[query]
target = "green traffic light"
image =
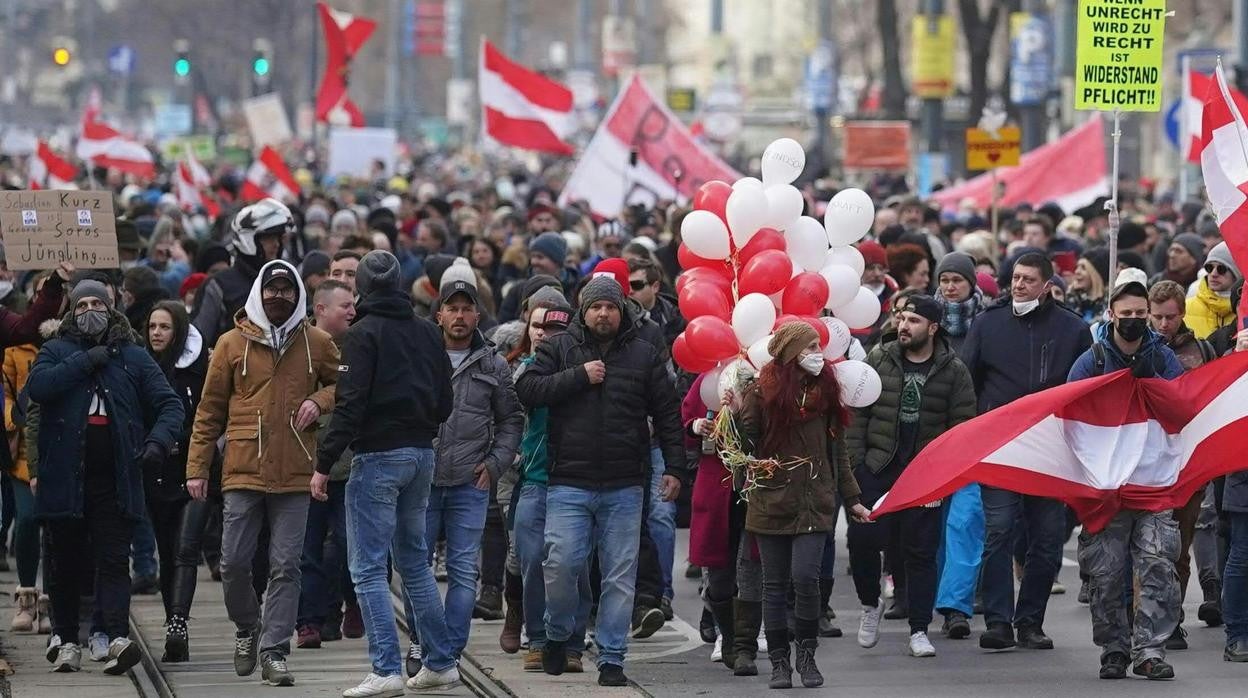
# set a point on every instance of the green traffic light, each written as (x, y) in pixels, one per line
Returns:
(182, 67)
(260, 66)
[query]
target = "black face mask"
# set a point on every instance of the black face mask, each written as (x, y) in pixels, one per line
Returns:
(278, 310)
(1131, 329)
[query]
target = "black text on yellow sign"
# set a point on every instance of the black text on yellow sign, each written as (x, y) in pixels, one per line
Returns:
(1118, 55)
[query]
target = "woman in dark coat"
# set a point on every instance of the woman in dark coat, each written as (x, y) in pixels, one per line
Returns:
(177, 519)
(792, 419)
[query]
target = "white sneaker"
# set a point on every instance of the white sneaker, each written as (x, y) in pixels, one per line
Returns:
(97, 647)
(869, 626)
(430, 680)
(68, 658)
(717, 654)
(122, 655)
(374, 686)
(920, 646)
(762, 643)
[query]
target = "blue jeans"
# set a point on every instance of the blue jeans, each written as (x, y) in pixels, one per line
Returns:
(661, 518)
(386, 500)
(963, 550)
(322, 564)
(460, 511)
(143, 548)
(1045, 522)
(578, 521)
(530, 546)
(1235, 579)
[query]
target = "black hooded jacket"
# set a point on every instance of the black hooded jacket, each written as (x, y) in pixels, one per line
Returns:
(395, 385)
(599, 435)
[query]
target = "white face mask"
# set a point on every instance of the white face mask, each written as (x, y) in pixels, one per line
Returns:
(1024, 307)
(6, 287)
(812, 363)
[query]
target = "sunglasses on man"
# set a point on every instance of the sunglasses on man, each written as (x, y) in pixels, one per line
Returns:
(1214, 267)
(637, 284)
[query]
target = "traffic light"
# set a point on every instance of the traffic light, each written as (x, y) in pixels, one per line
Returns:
(182, 59)
(61, 56)
(261, 65)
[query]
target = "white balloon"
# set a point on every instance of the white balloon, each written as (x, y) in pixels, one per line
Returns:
(862, 311)
(734, 376)
(783, 161)
(843, 284)
(705, 235)
(848, 217)
(709, 390)
(747, 183)
(759, 356)
(747, 211)
(860, 384)
(752, 318)
(806, 243)
(839, 338)
(784, 205)
(856, 352)
(849, 256)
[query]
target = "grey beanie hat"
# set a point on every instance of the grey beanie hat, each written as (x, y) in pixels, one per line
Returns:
(90, 288)
(958, 263)
(1194, 245)
(548, 294)
(602, 288)
(378, 271)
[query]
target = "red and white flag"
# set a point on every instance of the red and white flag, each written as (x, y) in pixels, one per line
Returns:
(522, 108)
(641, 153)
(103, 146)
(188, 187)
(269, 176)
(48, 170)
(1196, 88)
(1071, 171)
(1224, 164)
(1100, 445)
(345, 33)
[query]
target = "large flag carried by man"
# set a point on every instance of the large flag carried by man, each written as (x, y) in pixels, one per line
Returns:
(523, 108)
(1100, 445)
(1224, 164)
(641, 153)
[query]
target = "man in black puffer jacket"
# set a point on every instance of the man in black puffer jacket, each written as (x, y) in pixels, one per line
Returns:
(603, 383)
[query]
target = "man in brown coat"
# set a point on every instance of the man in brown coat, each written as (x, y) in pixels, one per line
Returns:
(269, 380)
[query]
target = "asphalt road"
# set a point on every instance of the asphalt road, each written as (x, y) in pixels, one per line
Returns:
(960, 668)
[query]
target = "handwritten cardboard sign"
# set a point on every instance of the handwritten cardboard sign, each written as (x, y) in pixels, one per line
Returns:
(41, 229)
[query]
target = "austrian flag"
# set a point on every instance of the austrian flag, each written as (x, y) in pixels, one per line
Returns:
(1100, 445)
(269, 176)
(522, 108)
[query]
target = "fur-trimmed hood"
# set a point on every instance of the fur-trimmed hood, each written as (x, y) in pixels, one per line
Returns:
(118, 332)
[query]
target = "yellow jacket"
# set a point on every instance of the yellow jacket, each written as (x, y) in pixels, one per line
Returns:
(17, 361)
(1207, 311)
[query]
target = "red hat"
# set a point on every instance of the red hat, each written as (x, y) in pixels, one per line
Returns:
(192, 283)
(616, 268)
(873, 253)
(987, 284)
(538, 208)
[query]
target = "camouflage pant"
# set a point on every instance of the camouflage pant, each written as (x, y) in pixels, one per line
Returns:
(1150, 542)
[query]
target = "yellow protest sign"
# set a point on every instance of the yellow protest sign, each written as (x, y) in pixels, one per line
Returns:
(983, 152)
(932, 48)
(1118, 55)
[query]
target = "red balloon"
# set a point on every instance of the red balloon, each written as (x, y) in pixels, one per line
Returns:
(689, 260)
(805, 294)
(711, 338)
(713, 196)
(686, 359)
(698, 298)
(704, 275)
(814, 322)
(767, 272)
(764, 239)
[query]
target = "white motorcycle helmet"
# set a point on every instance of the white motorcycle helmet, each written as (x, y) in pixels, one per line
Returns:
(265, 217)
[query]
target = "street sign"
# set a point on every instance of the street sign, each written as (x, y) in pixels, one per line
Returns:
(821, 77)
(173, 120)
(933, 44)
(1031, 58)
(876, 145)
(682, 99)
(986, 151)
(1118, 54)
(121, 60)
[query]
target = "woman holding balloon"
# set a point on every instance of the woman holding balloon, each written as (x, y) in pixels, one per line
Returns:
(793, 422)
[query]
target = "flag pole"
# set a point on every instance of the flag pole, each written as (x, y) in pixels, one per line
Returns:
(1112, 207)
(996, 200)
(1185, 140)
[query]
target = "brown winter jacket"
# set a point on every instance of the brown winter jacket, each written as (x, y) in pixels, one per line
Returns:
(252, 396)
(801, 499)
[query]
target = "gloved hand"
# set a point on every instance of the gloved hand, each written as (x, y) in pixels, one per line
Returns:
(152, 455)
(1143, 368)
(98, 355)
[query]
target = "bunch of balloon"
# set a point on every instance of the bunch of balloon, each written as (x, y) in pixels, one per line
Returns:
(753, 262)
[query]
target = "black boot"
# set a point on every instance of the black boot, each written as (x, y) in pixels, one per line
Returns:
(722, 610)
(807, 643)
(1210, 612)
(177, 643)
(747, 621)
(778, 652)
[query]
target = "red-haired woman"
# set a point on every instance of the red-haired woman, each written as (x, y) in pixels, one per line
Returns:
(793, 415)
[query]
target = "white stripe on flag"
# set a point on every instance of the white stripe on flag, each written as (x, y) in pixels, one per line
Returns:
(1224, 166)
(500, 95)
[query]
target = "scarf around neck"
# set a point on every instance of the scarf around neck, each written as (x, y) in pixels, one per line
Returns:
(958, 314)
